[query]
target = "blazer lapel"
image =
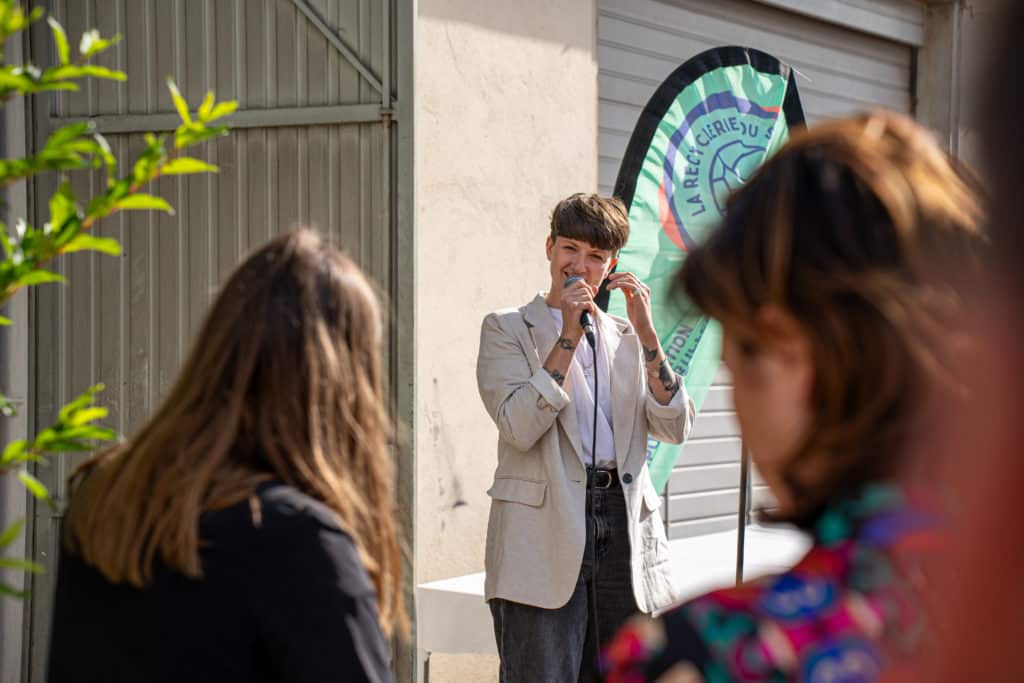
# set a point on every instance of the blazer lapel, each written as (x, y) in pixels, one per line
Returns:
(545, 333)
(623, 352)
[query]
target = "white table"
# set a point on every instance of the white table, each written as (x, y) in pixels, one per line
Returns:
(451, 615)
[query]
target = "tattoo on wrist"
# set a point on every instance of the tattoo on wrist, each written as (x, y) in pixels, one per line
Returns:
(650, 354)
(565, 344)
(557, 376)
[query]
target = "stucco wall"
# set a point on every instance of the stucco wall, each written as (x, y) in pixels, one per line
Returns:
(953, 66)
(506, 124)
(981, 24)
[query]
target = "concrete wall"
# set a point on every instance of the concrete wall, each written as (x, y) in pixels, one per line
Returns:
(506, 124)
(981, 27)
(959, 39)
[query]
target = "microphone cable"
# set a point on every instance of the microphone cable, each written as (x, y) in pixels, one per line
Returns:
(590, 504)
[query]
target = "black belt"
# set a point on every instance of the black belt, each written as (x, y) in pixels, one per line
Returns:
(598, 478)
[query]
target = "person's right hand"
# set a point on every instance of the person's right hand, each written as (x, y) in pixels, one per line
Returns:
(576, 298)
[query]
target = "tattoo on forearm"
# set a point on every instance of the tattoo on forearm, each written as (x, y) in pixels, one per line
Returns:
(650, 354)
(557, 376)
(565, 344)
(669, 380)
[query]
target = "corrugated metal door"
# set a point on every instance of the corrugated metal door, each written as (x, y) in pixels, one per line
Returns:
(841, 70)
(313, 143)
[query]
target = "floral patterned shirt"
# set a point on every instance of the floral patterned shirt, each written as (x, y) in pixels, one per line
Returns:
(849, 612)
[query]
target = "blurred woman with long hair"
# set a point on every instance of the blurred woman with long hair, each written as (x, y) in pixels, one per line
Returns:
(247, 532)
(836, 276)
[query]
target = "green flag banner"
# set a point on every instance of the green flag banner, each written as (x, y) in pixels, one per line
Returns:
(706, 129)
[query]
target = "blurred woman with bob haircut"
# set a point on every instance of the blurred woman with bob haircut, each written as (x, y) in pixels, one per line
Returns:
(838, 277)
(247, 531)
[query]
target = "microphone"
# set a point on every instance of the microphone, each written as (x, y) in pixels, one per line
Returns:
(588, 325)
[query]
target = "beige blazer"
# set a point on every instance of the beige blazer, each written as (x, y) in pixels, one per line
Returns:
(537, 527)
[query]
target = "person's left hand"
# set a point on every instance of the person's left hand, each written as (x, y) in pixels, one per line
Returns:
(638, 302)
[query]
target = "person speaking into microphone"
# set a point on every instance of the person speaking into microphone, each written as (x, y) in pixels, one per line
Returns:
(575, 542)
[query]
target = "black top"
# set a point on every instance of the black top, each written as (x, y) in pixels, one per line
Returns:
(288, 600)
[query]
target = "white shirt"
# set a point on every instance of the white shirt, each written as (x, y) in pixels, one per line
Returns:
(581, 388)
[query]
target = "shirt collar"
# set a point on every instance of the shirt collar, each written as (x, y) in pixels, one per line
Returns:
(880, 514)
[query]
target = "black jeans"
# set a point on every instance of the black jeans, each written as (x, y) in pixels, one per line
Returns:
(539, 645)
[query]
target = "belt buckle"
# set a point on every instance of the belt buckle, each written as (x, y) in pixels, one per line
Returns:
(602, 479)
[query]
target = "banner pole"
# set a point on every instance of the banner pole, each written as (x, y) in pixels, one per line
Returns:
(741, 530)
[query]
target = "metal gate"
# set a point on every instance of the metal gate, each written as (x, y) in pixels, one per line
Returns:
(322, 137)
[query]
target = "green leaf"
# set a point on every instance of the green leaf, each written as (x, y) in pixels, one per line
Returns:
(108, 157)
(183, 165)
(95, 71)
(61, 39)
(87, 242)
(99, 206)
(13, 18)
(77, 434)
(148, 163)
(89, 41)
(68, 133)
(120, 189)
(11, 532)
(87, 415)
(7, 408)
(70, 445)
(206, 107)
(48, 435)
(34, 486)
(50, 86)
(59, 73)
(24, 565)
(11, 592)
(189, 136)
(179, 101)
(141, 200)
(83, 400)
(38, 277)
(92, 43)
(82, 71)
(13, 452)
(223, 109)
(12, 78)
(4, 320)
(63, 206)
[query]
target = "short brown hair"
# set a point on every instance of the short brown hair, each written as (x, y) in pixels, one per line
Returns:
(859, 229)
(599, 221)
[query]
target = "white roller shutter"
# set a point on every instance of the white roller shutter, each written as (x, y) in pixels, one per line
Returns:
(850, 55)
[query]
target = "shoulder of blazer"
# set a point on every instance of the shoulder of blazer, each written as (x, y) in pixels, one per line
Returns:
(509, 319)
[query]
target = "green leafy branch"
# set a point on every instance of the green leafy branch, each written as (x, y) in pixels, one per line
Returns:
(75, 430)
(7, 537)
(70, 148)
(30, 248)
(14, 19)
(27, 79)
